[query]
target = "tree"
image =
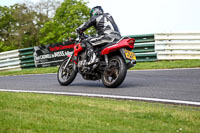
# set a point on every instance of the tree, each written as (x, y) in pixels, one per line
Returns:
(47, 7)
(20, 23)
(6, 24)
(70, 15)
(29, 24)
(24, 33)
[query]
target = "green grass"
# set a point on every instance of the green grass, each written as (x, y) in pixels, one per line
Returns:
(24, 112)
(139, 66)
(31, 71)
(167, 64)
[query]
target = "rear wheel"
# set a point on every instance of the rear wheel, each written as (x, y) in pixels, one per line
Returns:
(66, 75)
(115, 74)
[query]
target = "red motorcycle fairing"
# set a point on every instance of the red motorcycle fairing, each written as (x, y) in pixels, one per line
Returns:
(122, 44)
(77, 49)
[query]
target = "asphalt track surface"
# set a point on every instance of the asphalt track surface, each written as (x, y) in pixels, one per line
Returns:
(176, 84)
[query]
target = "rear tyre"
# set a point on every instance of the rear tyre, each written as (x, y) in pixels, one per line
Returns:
(66, 75)
(115, 74)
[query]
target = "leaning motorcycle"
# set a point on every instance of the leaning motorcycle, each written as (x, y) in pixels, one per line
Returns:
(114, 59)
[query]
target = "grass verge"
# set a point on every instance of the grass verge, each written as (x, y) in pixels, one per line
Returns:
(30, 71)
(167, 64)
(139, 66)
(24, 112)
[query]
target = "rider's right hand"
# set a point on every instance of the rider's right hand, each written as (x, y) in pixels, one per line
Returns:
(78, 30)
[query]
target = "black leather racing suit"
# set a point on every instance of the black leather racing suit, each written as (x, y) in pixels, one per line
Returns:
(106, 28)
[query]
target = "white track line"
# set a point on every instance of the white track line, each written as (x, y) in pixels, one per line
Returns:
(108, 96)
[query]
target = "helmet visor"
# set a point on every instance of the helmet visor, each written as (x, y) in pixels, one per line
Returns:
(91, 12)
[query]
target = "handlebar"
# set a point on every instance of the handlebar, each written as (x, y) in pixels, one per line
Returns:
(82, 36)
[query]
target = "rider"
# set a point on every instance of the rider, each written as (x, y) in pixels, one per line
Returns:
(106, 28)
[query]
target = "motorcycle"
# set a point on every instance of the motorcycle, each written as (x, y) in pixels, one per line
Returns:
(114, 59)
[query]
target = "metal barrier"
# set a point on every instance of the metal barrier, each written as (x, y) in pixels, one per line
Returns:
(173, 46)
(26, 58)
(17, 59)
(144, 47)
(148, 47)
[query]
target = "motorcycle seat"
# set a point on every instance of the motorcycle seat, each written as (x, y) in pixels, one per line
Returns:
(101, 47)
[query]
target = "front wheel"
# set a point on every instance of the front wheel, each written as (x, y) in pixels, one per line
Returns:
(115, 74)
(66, 73)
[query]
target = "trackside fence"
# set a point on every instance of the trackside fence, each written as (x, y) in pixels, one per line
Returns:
(174, 46)
(144, 47)
(148, 47)
(17, 59)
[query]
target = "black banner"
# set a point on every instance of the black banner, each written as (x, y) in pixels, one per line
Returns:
(52, 54)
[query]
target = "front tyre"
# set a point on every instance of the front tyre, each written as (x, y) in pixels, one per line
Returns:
(66, 75)
(115, 74)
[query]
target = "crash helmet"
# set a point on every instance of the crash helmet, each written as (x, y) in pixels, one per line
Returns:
(97, 10)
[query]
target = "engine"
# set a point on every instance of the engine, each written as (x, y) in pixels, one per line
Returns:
(86, 71)
(82, 61)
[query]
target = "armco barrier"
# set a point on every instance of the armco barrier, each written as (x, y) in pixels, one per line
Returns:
(144, 57)
(148, 47)
(26, 58)
(10, 60)
(173, 46)
(144, 47)
(17, 59)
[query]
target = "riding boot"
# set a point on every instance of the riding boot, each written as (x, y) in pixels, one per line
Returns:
(93, 59)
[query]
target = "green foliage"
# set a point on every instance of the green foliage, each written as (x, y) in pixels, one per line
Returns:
(69, 16)
(6, 22)
(29, 24)
(20, 23)
(19, 27)
(1, 46)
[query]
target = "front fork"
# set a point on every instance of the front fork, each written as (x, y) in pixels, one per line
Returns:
(71, 59)
(67, 63)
